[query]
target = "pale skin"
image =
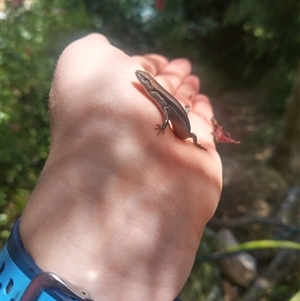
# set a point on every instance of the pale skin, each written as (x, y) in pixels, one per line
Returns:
(119, 210)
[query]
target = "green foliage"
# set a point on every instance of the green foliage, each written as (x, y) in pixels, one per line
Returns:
(274, 33)
(272, 40)
(138, 27)
(251, 42)
(248, 35)
(27, 62)
(204, 282)
(295, 297)
(258, 244)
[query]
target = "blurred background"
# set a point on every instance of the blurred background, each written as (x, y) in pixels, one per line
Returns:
(247, 54)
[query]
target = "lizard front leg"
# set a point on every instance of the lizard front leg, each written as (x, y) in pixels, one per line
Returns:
(161, 127)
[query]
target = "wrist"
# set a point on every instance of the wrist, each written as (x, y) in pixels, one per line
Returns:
(111, 255)
(22, 278)
(129, 281)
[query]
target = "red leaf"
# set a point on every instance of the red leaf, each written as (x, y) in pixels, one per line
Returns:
(220, 135)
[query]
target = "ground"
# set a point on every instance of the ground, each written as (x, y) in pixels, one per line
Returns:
(251, 187)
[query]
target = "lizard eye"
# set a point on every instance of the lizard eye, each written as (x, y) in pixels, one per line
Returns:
(146, 80)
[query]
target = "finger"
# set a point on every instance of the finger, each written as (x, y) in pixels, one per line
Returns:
(169, 74)
(179, 66)
(201, 106)
(173, 75)
(188, 90)
(203, 129)
(152, 62)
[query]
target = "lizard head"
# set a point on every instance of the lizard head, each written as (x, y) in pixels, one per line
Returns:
(145, 79)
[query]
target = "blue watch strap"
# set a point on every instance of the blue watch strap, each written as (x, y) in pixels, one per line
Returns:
(17, 269)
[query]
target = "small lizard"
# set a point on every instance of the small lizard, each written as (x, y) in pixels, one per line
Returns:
(172, 110)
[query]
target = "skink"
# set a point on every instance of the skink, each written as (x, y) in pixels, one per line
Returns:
(172, 110)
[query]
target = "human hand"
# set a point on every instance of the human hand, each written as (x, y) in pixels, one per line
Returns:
(119, 210)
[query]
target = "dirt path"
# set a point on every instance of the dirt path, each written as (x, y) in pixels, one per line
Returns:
(250, 186)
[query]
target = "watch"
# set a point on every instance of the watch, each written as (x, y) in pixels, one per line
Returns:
(22, 280)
